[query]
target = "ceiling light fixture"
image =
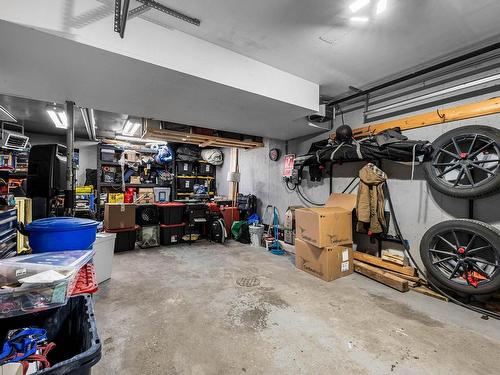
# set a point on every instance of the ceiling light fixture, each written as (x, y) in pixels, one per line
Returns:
(358, 4)
(139, 140)
(58, 116)
(381, 6)
(360, 19)
(130, 127)
(8, 114)
(89, 120)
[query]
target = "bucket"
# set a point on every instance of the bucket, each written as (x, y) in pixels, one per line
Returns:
(256, 232)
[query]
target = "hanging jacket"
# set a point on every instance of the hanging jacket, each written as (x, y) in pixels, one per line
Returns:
(371, 201)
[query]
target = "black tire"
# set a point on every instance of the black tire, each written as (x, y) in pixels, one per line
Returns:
(463, 162)
(453, 249)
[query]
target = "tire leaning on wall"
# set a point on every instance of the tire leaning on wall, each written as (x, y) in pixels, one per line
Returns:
(465, 162)
(453, 249)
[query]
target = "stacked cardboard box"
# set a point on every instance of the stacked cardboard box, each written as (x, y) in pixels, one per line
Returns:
(323, 245)
(289, 225)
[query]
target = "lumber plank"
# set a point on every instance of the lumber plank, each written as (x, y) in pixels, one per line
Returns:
(192, 138)
(414, 279)
(441, 116)
(429, 292)
(381, 276)
(393, 259)
(376, 261)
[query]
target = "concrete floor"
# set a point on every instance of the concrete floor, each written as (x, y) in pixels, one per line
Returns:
(180, 310)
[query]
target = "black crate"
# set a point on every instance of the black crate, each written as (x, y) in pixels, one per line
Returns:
(185, 184)
(171, 213)
(146, 214)
(171, 234)
(125, 241)
(72, 328)
(184, 168)
(205, 169)
(197, 212)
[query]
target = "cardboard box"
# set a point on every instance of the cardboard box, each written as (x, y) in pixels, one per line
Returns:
(119, 216)
(135, 179)
(329, 225)
(146, 195)
(130, 156)
(327, 263)
(290, 217)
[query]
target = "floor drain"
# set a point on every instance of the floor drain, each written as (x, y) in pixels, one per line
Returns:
(248, 281)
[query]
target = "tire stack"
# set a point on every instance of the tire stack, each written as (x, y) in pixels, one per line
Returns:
(172, 225)
(463, 255)
(149, 230)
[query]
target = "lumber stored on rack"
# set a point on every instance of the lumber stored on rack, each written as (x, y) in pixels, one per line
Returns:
(381, 276)
(376, 261)
(441, 116)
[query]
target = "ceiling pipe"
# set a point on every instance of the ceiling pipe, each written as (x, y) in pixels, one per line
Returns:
(70, 147)
(418, 73)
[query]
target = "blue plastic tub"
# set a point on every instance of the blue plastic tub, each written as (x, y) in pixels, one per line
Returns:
(60, 234)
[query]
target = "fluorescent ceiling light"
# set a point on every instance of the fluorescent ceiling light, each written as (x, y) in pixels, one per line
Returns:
(139, 140)
(92, 117)
(131, 127)
(381, 6)
(8, 114)
(360, 19)
(358, 4)
(58, 117)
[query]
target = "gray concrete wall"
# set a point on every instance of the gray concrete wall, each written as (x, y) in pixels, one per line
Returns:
(417, 206)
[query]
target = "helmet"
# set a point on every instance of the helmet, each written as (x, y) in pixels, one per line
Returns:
(343, 134)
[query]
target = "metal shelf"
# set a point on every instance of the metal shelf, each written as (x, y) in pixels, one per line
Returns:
(111, 163)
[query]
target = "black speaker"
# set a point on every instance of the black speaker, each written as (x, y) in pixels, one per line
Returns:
(146, 214)
(46, 170)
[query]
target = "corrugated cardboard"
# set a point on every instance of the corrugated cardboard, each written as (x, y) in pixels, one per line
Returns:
(329, 225)
(327, 263)
(290, 217)
(119, 216)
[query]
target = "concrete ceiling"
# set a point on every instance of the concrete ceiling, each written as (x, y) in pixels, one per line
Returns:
(317, 41)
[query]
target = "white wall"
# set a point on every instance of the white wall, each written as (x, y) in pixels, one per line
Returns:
(88, 159)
